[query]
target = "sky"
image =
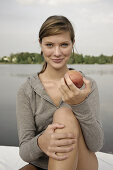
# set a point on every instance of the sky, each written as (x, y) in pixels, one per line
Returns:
(20, 22)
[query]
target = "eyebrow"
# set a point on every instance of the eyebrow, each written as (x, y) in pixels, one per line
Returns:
(61, 42)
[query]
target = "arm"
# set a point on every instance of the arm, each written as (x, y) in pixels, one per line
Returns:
(31, 147)
(88, 114)
(85, 104)
(28, 146)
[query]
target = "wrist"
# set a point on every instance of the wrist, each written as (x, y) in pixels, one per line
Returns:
(39, 141)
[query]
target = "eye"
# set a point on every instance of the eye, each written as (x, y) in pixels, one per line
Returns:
(64, 45)
(49, 45)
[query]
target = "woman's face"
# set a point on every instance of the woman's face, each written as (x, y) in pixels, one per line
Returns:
(57, 49)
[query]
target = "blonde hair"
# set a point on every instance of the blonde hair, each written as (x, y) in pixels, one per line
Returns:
(55, 25)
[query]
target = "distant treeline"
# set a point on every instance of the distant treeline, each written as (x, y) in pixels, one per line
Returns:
(35, 58)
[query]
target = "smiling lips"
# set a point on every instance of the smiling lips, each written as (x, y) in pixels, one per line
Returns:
(57, 60)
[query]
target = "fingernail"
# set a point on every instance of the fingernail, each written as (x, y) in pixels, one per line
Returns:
(62, 125)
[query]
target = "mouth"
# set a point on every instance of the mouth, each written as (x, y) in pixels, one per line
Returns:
(59, 60)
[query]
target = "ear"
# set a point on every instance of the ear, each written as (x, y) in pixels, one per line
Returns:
(73, 41)
(39, 41)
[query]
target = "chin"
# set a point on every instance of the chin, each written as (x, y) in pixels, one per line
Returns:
(59, 65)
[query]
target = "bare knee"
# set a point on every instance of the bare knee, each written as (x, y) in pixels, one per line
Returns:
(65, 116)
(63, 112)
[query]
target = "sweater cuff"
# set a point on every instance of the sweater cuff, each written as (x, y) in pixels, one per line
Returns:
(36, 151)
(82, 110)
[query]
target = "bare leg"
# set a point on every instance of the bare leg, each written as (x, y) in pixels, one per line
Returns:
(66, 117)
(87, 160)
(80, 158)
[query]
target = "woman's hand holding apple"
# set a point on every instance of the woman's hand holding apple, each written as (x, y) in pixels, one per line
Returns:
(70, 93)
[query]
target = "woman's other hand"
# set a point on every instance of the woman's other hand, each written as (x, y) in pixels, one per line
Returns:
(52, 143)
(70, 93)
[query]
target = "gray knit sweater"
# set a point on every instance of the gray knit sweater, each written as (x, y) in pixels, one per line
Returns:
(35, 112)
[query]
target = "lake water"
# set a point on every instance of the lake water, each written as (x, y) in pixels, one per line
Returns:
(12, 76)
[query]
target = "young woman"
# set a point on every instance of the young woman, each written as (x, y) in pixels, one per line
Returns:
(58, 124)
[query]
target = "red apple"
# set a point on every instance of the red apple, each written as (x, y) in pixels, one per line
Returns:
(76, 77)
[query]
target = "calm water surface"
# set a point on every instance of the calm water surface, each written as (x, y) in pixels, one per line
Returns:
(12, 76)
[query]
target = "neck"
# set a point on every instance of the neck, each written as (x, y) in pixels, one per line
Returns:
(54, 74)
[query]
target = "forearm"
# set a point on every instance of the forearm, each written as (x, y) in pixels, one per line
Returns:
(88, 114)
(28, 147)
(93, 135)
(30, 151)
(92, 131)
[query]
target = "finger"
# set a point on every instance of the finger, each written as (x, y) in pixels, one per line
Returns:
(65, 142)
(59, 157)
(63, 93)
(64, 136)
(64, 84)
(87, 82)
(87, 85)
(63, 149)
(64, 88)
(54, 126)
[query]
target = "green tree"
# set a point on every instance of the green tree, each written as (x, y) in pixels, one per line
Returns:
(78, 58)
(102, 59)
(32, 58)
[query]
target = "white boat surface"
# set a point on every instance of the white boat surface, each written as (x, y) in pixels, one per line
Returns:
(10, 159)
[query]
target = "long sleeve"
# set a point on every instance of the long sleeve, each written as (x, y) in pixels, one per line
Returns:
(88, 114)
(28, 148)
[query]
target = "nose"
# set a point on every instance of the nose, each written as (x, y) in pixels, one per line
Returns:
(57, 51)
